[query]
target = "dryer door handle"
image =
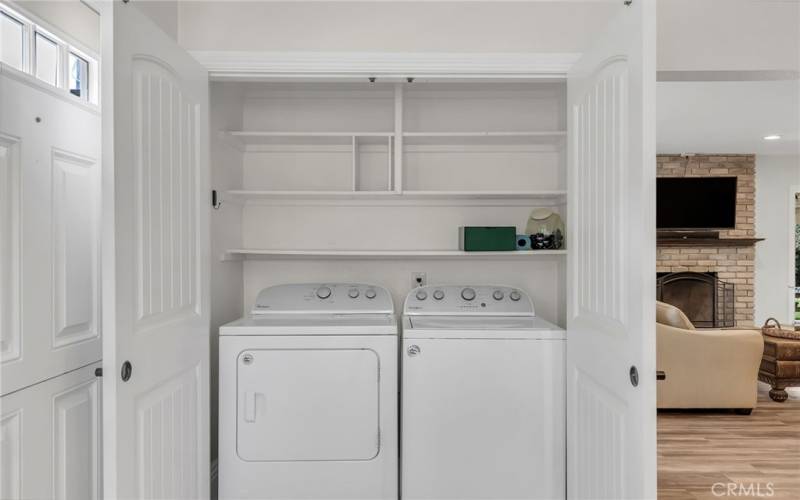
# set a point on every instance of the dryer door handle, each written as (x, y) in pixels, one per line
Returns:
(250, 403)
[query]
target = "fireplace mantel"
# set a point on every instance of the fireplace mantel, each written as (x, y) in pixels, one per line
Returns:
(707, 242)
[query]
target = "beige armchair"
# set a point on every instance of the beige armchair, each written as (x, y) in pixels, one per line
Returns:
(705, 368)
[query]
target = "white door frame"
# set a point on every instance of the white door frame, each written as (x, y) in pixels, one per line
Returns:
(793, 220)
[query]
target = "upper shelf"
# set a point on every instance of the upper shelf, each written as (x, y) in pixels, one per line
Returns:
(485, 138)
(300, 138)
(248, 137)
(253, 253)
(553, 196)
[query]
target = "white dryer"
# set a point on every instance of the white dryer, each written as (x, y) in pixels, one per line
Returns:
(308, 395)
(483, 396)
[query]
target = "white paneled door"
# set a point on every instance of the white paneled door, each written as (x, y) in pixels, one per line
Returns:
(611, 407)
(155, 262)
(49, 213)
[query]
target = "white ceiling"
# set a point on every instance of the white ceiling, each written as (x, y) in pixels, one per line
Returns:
(728, 117)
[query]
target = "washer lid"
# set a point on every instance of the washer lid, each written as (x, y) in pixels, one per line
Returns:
(312, 324)
(324, 298)
(476, 322)
(480, 327)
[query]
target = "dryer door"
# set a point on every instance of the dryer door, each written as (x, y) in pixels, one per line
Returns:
(308, 405)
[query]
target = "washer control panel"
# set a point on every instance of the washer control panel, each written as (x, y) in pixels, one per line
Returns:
(321, 298)
(468, 299)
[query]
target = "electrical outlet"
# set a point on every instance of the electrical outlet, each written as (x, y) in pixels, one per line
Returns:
(418, 279)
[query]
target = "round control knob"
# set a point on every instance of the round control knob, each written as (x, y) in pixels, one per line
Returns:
(438, 294)
(353, 293)
(370, 293)
(498, 295)
(515, 296)
(468, 294)
(323, 292)
(421, 295)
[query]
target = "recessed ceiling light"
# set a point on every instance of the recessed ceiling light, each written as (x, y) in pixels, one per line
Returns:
(773, 137)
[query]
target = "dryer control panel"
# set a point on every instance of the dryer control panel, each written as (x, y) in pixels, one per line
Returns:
(324, 298)
(461, 300)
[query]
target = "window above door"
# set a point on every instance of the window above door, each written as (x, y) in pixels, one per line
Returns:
(33, 49)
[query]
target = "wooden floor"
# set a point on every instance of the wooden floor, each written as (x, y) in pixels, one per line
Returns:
(698, 449)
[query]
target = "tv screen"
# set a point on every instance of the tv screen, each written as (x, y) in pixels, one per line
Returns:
(696, 203)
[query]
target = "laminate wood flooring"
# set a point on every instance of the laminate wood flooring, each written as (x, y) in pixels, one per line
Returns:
(698, 449)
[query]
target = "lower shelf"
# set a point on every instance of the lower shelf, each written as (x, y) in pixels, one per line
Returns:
(253, 253)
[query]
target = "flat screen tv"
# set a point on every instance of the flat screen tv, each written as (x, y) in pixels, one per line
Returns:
(696, 203)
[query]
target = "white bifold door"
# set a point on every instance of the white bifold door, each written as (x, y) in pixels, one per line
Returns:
(611, 377)
(155, 262)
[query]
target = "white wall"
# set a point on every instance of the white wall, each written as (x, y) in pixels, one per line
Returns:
(71, 17)
(163, 13)
(391, 26)
(774, 262)
(715, 35)
(693, 35)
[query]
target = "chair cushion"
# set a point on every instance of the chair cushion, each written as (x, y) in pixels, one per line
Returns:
(667, 314)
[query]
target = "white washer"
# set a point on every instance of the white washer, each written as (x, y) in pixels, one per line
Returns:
(308, 395)
(483, 396)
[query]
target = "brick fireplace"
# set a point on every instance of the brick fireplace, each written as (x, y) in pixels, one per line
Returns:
(730, 263)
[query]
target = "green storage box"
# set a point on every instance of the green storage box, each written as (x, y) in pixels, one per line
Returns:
(487, 239)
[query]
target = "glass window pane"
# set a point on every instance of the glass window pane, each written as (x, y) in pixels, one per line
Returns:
(11, 36)
(46, 59)
(78, 76)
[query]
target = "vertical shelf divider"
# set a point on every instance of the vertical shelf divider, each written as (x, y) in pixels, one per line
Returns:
(355, 163)
(389, 163)
(398, 138)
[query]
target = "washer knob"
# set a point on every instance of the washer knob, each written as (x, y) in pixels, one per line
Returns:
(498, 295)
(370, 293)
(323, 292)
(514, 295)
(468, 294)
(353, 293)
(438, 294)
(421, 295)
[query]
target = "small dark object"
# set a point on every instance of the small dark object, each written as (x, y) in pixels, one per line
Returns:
(98, 372)
(660, 375)
(215, 203)
(634, 374)
(372, 79)
(126, 371)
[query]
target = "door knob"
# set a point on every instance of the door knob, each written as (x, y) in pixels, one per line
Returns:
(634, 375)
(126, 371)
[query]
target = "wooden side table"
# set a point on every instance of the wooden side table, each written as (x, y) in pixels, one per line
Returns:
(780, 366)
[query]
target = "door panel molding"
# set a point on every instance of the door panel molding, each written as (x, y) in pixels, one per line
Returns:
(166, 166)
(75, 248)
(76, 420)
(167, 433)
(10, 226)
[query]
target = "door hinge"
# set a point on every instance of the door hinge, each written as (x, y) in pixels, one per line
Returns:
(661, 375)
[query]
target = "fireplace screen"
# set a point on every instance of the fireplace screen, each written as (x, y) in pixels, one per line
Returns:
(707, 301)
